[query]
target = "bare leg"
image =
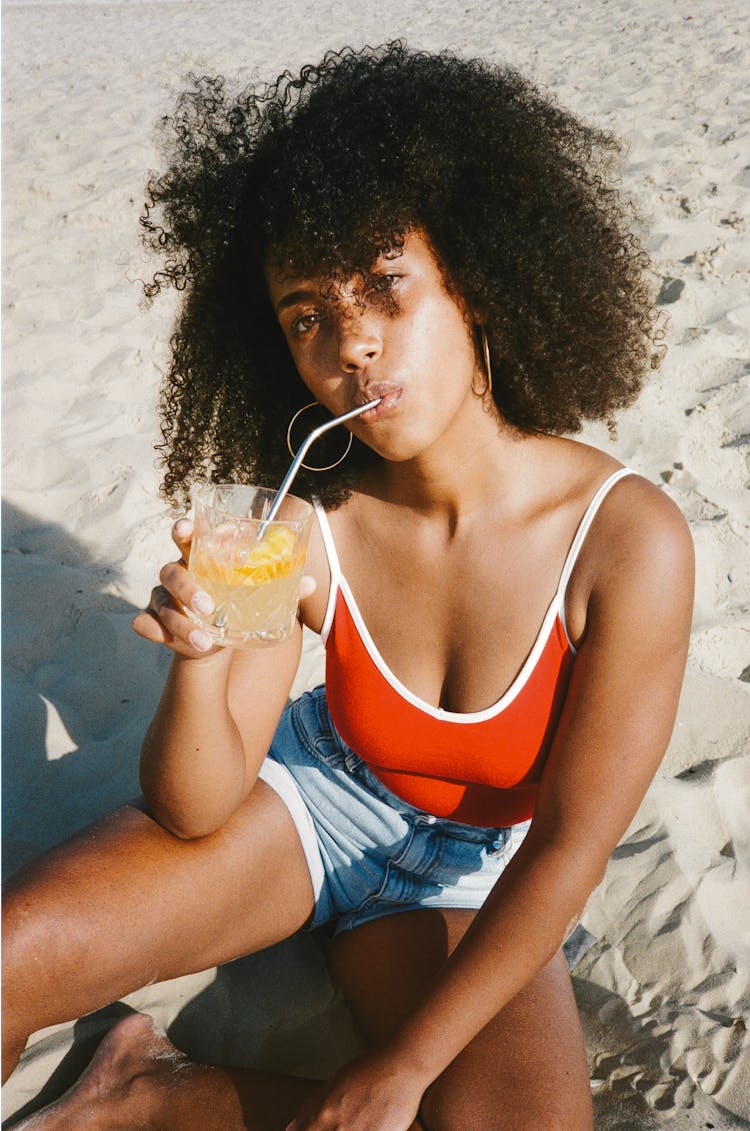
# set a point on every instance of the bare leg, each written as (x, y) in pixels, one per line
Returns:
(139, 1079)
(125, 903)
(526, 1070)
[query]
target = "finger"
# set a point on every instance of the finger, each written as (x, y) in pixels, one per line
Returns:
(182, 535)
(148, 622)
(183, 631)
(164, 622)
(195, 642)
(148, 626)
(177, 581)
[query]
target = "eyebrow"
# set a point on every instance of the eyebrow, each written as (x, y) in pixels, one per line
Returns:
(293, 297)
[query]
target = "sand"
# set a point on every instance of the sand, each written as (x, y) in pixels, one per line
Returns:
(665, 991)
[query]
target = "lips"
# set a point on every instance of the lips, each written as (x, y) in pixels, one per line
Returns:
(389, 396)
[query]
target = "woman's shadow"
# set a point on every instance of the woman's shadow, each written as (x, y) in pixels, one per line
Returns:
(79, 689)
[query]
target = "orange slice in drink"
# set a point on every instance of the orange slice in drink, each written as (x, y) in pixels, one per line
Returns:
(270, 559)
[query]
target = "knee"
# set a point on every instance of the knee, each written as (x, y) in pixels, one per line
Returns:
(16, 1027)
(16, 1030)
(25, 930)
(38, 944)
(21, 941)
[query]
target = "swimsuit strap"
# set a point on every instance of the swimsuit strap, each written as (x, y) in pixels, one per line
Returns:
(570, 561)
(580, 537)
(333, 565)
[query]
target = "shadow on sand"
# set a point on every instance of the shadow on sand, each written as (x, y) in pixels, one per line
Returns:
(79, 689)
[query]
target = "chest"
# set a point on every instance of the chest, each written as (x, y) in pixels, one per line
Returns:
(454, 620)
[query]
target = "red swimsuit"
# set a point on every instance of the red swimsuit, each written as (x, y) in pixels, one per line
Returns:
(481, 768)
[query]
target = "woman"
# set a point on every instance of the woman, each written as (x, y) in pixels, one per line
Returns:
(506, 611)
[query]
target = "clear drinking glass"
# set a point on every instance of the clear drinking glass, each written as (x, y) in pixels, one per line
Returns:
(251, 568)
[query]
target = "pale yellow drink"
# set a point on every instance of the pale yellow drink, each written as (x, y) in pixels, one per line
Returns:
(251, 570)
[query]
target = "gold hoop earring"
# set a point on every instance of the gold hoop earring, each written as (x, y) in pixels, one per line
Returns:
(307, 466)
(487, 362)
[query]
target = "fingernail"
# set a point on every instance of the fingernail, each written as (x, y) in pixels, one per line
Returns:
(182, 527)
(202, 603)
(201, 641)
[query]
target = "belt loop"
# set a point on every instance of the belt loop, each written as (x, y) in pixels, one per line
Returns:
(321, 707)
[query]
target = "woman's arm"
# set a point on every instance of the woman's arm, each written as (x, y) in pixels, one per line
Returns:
(217, 714)
(615, 727)
(614, 730)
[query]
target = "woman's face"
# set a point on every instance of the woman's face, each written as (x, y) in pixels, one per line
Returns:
(414, 350)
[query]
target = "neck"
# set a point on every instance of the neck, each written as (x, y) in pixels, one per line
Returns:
(459, 473)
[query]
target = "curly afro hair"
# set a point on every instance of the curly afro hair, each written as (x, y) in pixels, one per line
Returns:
(327, 171)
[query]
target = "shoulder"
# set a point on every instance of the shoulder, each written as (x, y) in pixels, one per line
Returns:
(637, 550)
(640, 527)
(639, 558)
(637, 528)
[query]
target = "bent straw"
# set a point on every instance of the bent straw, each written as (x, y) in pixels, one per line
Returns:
(304, 448)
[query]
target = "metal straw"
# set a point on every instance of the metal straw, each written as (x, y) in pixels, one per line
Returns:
(294, 467)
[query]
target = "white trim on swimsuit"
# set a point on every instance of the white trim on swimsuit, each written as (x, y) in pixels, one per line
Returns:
(280, 779)
(556, 608)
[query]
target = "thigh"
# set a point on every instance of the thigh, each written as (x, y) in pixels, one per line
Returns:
(124, 903)
(526, 1069)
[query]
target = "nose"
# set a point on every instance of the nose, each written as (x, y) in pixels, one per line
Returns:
(359, 342)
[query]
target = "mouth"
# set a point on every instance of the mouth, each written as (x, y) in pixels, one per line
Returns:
(387, 397)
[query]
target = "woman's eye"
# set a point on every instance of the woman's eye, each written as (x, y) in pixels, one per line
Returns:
(303, 324)
(384, 284)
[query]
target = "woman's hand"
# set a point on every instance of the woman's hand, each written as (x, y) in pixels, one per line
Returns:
(164, 620)
(371, 1094)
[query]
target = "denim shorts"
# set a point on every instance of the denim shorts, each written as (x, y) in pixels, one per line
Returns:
(370, 853)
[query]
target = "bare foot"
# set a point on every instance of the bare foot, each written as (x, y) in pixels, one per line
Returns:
(133, 1066)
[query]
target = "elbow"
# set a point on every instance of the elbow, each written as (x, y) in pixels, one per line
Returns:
(591, 871)
(188, 834)
(181, 827)
(589, 879)
(182, 821)
(572, 875)
(585, 881)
